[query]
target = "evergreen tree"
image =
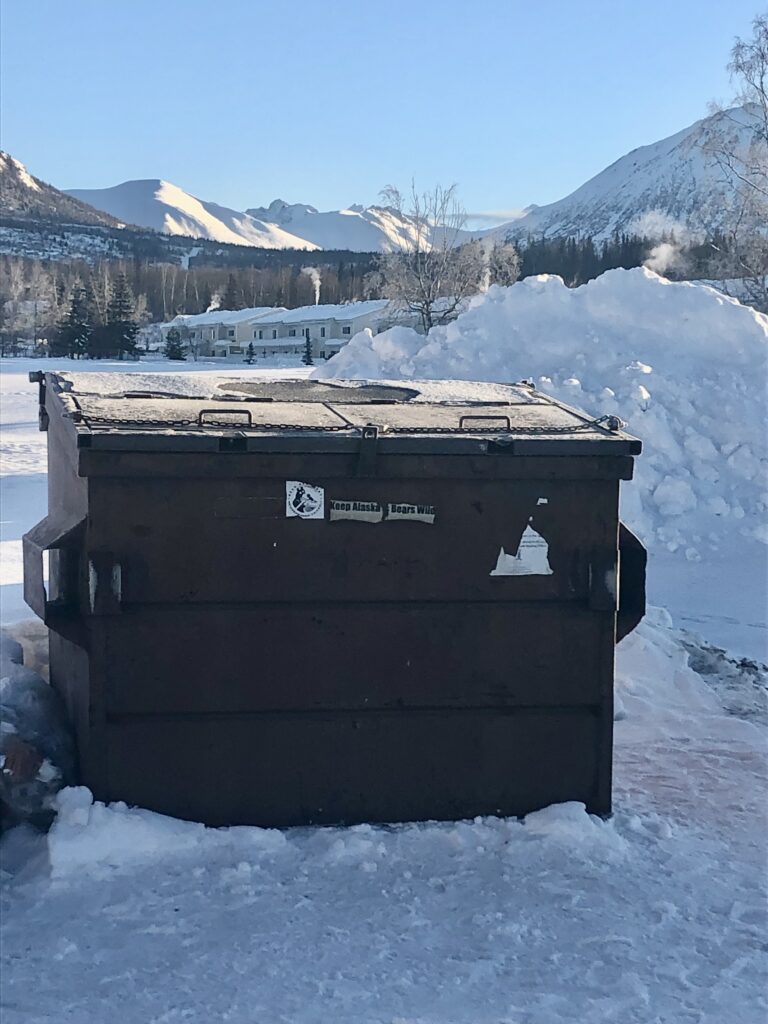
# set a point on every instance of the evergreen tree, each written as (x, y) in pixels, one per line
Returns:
(250, 354)
(174, 346)
(73, 333)
(307, 357)
(121, 328)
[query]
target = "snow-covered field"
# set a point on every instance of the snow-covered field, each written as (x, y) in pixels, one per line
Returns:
(657, 916)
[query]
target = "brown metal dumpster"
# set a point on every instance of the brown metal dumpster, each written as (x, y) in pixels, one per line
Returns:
(291, 602)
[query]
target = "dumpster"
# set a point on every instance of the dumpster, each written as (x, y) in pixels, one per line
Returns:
(294, 602)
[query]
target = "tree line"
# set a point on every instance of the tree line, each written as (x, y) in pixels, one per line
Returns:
(56, 299)
(81, 331)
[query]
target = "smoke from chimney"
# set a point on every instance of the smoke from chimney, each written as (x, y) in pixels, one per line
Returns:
(314, 275)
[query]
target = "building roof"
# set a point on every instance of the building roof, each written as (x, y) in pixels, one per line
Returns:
(326, 311)
(224, 316)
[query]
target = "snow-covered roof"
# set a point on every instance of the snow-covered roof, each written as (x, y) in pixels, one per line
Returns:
(327, 311)
(224, 316)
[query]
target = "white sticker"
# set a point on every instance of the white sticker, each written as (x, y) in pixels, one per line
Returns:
(361, 511)
(531, 558)
(304, 500)
(543, 501)
(413, 513)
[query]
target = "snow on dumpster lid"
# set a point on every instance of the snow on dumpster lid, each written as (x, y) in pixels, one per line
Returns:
(106, 405)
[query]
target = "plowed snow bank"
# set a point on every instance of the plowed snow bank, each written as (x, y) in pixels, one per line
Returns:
(684, 364)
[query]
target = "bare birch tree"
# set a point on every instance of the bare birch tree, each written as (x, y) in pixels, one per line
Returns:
(742, 157)
(434, 269)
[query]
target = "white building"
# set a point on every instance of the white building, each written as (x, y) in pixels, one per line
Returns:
(276, 331)
(219, 332)
(327, 326)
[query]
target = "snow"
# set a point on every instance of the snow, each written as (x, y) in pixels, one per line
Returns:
(684, 364)
(327, 311)
(225, 316)
(657, 915)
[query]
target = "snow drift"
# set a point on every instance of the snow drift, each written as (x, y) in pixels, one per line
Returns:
(682, 363)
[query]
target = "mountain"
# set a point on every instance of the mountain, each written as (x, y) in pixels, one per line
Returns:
(359, 228)
(668, 183)
(162, 206)
(26, 198)
(165, 207)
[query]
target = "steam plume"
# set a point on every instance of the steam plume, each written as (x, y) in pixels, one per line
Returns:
(314, 275)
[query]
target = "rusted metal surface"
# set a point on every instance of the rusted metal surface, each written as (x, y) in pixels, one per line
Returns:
(436, 642)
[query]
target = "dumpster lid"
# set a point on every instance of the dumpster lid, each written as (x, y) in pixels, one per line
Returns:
(138, 411)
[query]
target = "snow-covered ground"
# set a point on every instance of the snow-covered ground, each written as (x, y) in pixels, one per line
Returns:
(655, 917)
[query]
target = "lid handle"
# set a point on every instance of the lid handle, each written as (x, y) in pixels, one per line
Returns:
(223, 412)
(477, 416)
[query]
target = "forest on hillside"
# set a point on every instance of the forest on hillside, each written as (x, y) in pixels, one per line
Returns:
(36, 295)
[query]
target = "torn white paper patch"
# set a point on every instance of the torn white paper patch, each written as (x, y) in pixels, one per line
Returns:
(304, 500)
(532, 558)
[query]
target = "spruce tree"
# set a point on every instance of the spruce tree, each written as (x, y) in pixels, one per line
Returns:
(174, 346)
(121, 327)
(307, 357)
(250, 353)
(74, 331)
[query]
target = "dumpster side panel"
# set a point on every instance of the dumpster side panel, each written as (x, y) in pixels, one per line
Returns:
(263, 669)
(281, 770)
(227, 541)
(353, 655)
(70, 677)
(68, 496)
(67, 491)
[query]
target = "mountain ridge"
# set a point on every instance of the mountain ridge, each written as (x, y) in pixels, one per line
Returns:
(668, 185)
(26, 197)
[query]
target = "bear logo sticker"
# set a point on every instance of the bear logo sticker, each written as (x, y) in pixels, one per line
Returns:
(304, 501)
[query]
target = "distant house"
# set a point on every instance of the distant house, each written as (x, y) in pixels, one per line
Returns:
(276, 331)
(219, 332)
(328, 327)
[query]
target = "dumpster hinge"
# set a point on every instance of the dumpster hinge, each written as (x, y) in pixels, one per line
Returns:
(366, 459)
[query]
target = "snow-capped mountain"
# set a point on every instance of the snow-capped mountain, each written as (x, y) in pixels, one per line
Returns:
(358, 228)
(165, 207)
(162, 206)
(24, 197)
(671, 181)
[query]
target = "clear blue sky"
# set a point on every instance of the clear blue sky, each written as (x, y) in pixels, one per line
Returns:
(241, 101)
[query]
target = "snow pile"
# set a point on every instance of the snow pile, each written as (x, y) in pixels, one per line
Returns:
(684, 364)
